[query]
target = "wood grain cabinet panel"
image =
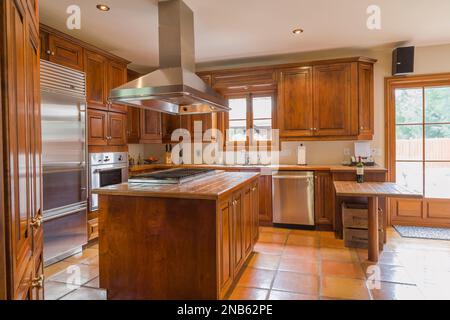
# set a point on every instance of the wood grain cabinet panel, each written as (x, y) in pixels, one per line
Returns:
(150, 126)
(133, 125)
(21, 134)
(247, 216)
(95, 68)
(366, 101)
(97, 122)
(225, 238)
(117, 76)
(335, 108)
(324, 210)
(238, 232)
(65, 53)
(117, 124)
(295, 94)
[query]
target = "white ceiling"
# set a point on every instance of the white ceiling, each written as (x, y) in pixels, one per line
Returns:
(234, 29)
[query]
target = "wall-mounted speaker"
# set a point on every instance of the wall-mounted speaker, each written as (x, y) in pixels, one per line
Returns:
(403, 61)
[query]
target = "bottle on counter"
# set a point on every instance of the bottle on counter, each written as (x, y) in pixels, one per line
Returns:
(168, 154)
(360, 171)
(139, 161)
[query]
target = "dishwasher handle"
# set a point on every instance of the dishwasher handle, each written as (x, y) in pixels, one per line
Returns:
(293, 177)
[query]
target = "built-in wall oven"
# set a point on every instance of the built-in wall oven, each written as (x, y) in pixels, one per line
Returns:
(106, 169)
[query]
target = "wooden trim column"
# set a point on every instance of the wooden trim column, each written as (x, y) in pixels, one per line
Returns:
(3, 293)
(374, 241)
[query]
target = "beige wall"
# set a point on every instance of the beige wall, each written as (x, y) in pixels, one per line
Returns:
(431, 59)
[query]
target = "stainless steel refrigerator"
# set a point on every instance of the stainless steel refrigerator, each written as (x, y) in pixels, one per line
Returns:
(64, 154)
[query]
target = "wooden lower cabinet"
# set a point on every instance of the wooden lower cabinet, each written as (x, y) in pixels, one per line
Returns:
(202, 244)
(324, 213)
(238, 233)
(225, 245)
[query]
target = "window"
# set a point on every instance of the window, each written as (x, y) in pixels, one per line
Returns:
(251, 111)
(422, 139)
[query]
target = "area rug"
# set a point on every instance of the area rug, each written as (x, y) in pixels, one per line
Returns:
(423, 232)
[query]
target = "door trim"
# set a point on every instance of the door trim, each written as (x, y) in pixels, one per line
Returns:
(391, 83)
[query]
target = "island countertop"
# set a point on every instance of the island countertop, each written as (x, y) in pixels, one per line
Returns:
(211, 187)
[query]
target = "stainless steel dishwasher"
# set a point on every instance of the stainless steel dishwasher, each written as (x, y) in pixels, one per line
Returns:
(293, 198)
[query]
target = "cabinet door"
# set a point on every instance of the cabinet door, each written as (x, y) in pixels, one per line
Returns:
(255, 212)
(238, 241)
(295, 102)
(247, 221)
(95, 68)
(117, 124)
(45, 50)
(97, 127)
(65, 53)
(335, 100)
(133, 125)
(366, 101)
(324, 212)
(117, 76)
(150, 126)
(206, 122)
(22, 163)
(225, 246)
(265, 201)
(170, 123)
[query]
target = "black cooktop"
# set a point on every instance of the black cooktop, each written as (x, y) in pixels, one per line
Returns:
(173, 176)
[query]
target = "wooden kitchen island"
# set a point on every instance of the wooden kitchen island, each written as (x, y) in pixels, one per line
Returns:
(187, 241)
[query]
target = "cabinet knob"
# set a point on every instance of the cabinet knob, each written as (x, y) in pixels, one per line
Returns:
(362, 128)
(49, 52)
(38, 282)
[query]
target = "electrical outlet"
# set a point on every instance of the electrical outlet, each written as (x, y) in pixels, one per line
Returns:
(346, 152)
(376, 152)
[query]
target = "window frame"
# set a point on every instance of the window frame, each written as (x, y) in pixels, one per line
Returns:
(249, 95)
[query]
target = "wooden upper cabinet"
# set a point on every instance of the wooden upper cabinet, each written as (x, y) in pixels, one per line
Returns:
(97, 122)
(95, 68)
(133, 125)
(366, 101)
(150, 126)
(170, 123)
(295, 101)
(65, 53)
(117, 124)
(117, 76)
(335, 108)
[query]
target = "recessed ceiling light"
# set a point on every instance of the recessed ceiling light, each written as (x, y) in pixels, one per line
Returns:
(297, 31)
(103, 7)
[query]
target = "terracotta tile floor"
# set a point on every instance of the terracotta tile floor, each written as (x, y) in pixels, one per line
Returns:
(75, 278)
(300, 265)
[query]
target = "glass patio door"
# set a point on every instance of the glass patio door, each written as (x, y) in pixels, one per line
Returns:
(422, 141)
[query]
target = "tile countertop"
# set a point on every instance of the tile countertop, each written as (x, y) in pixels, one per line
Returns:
(208, 188)
(333, 168)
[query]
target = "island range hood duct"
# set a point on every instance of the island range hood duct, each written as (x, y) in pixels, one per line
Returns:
(174, 88)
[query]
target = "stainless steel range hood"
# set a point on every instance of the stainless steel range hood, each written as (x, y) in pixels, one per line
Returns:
(173, 88)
